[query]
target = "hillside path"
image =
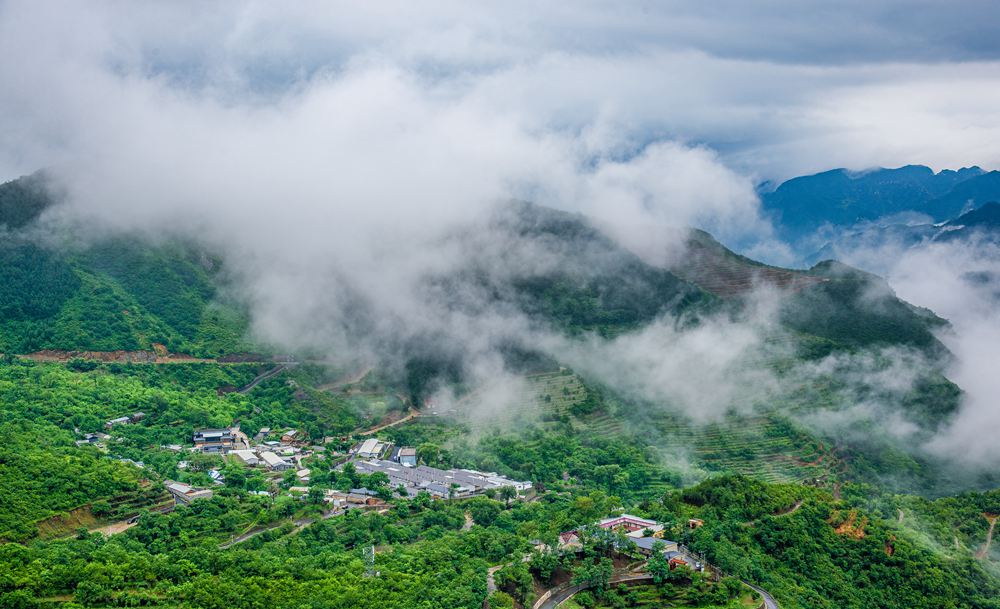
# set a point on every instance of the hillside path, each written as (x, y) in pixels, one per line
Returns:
(412, 415)
(260, 378)
(985, 550)
(348, 379)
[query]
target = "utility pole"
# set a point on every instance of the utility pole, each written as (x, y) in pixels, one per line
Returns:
(370, 562)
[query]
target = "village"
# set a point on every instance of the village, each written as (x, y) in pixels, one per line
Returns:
(285, 455)
(294, 468)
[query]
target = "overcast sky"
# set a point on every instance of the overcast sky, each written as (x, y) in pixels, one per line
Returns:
(776, 88)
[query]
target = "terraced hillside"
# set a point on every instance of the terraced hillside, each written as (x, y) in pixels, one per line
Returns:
(763, 447)
(545, 397)
(767, 447)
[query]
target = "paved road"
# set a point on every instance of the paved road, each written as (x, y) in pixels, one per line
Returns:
(299, 524)
(565, 594)
(349, 379)
(769, 601)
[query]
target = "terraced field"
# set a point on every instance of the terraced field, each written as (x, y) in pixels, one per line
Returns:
(709, 265)
(153, 498)
(763, 446)
(546, 397)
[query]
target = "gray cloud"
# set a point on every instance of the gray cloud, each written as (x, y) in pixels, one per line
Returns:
(778, 89)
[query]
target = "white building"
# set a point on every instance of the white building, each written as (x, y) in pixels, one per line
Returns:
(247, 457)
(274, 462)
(370, 449)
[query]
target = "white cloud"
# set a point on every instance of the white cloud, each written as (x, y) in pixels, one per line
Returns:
(330, 150)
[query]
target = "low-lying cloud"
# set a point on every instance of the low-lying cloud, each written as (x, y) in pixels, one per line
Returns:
(332, 155)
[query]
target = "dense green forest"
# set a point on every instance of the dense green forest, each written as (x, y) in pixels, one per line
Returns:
(119, 295)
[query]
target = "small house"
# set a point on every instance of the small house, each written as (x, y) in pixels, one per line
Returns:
(214, 440)
(407, 456)
(184, 494)
(246, 457)
(274, 462)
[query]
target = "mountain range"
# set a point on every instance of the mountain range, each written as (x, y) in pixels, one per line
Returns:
(125, 294)
(822, 204)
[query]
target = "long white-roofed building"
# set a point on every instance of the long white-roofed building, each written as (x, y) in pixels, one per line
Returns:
(439, 482)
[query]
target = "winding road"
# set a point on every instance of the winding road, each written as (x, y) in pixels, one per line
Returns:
(409, 417)
(559, 595)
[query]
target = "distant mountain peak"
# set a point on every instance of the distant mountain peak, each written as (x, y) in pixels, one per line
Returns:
(841, 197)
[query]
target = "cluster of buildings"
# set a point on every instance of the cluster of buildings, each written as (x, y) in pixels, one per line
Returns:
(639, 532)
(438, 482)
(273, 455)
(374, 449)
(399, 463)
(96, 439)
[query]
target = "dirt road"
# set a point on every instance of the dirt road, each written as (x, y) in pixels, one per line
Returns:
(985, 550)
(266, 375)
(346, 380)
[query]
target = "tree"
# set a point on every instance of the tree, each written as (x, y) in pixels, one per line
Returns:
(315, 495)
(91, 594)
(501, 600)
(508, 493)
(351, 473)
(658, 566)
(22, 599)
(594, 574)
(484, 511)
(235, 475)
(516, 579)
(429, 453)
(376, 481)
(544, 564)
(101, 508)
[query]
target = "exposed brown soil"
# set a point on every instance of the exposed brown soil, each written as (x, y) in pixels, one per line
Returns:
(160, 356)
(851, 527)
